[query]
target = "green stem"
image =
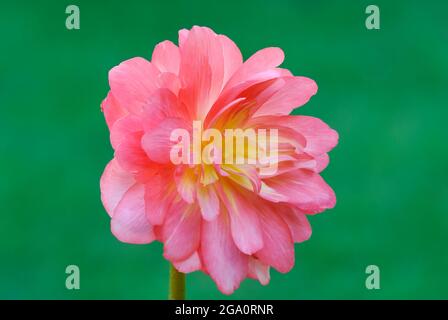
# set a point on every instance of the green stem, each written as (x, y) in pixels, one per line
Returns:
(177, 284)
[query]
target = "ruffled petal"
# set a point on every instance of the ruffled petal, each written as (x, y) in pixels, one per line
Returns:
(297, 223)
(320, 138)
(303, 188)
(132, 82)
(259, 271)
(159, 195)
(129, 223)
(186, 182)
(294, 92)
(166, 57)
(157, 143)
(208, 201)
(201, 70)
(244, 221)
(130, 154)
(112, 110)
(260, 61)
(181, 231)
(126, 125)
(222, 260)
(114, 183)
(232, 57)
(278, 248)
(191, 264)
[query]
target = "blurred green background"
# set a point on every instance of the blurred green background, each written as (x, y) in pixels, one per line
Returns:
(385, 91)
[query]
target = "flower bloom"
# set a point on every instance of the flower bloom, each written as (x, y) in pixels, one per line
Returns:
(230, 221)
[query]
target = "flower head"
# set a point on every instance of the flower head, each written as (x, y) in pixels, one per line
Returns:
(232, 217)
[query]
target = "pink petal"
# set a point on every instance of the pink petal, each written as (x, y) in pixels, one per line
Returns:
(157, 143)
(181, 231)
(123, 127)
(170, 81)
(254, 95)
(114, 183)
(129, 223)
(289, 139)
(132, 82)
(222, 260)
(183, 36)
(191, 264)
(319, 136)
(243, 212)
(130, 154)
(161, 105)
(258, 270)
(233, 58)
(278, 249)
(201, 70)
(297, 222)
(112, 110)
(208, 201)
(303, 188)
(295, 92)
(159, 195)
(186, 181)
(322, 162)
(260, 61)
(244, 174)
(166, 57)
(271, 194)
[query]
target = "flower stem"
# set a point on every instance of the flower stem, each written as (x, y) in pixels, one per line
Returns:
(177, 284)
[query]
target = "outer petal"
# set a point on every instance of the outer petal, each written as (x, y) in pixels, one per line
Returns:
(123, 127)
(114, 183)
(181, 231)
(271, 194)
(278, 249)
(262, 60)
(191, 264)
(322, 162)
(233, 58)
(132, 82)
(243, 212)
(159, 195)
(303, 188)
(183, 36)
(112, 110)
(201, 70)
(258, 270)
(295, 92)
(162, 104)
(169, 81)
(130, 154)
(297, 222)
(223, 261)
(157, 143)
(166, 57)
(129, 223)
(319, 136)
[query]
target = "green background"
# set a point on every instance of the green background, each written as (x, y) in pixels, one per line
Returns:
(384, 91)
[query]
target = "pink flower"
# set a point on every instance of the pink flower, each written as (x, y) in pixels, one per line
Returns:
(231, 221)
